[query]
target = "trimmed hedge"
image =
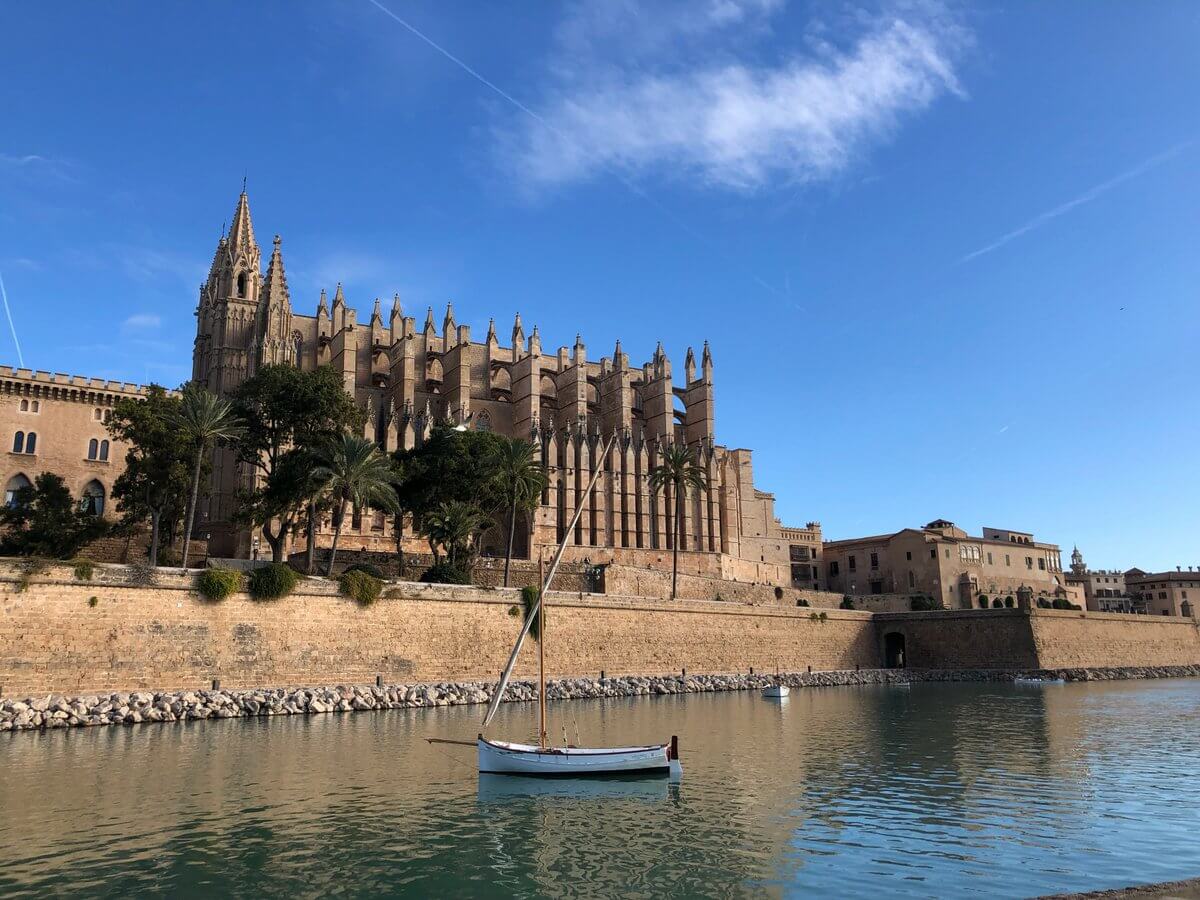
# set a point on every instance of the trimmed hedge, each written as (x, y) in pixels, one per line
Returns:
(217, 583)
(83, 569)
(272, 582)
(923, 603)
(371, 570)
(444, 573)
(362, 586)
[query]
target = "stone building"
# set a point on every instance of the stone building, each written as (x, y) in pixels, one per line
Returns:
(943, 562)
(408, 373)
(1103, 589)
(1165, 593)
(56, 423)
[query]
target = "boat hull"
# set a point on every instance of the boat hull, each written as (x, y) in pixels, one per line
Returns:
(503, 758)
(775, 692)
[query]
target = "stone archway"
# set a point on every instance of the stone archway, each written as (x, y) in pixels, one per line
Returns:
(893, 650)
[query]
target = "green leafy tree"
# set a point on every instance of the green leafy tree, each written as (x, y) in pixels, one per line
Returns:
(680, 471)
(44, 520)
(454, 527)
(519, 482)
(355, 473)
(451, 466)
(285, 411)
(154, 484)
(205, 419)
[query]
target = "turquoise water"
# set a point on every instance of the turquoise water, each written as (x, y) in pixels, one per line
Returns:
(941, 790)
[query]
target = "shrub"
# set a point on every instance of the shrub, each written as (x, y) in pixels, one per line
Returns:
(823, 616)
(369, 569)
(1043, 603)
(529, 597)
(83, 570)
(921, 603)
(272, 582)
(362, 586)
(92, 601)
(778, 593)
(169, 556)
(217, 584)
(997, 603)
(446, 573)
(801, 602)
(847, 602)
(514, 610)
(983, 601)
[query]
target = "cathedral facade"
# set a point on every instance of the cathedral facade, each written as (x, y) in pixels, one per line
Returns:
(408, 373)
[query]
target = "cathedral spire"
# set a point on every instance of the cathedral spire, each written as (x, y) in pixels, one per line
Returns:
(518, 333)
(339, 299)
(429, 320)
(276, 289)
(377, 314)
(241, 233)
(491, 335)
(322, 306)
(397, 309)
(448, 321)
(689, 366)
(706, 363)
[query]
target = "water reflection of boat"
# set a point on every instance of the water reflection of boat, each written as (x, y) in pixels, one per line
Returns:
(508, 787)
(1039, 681)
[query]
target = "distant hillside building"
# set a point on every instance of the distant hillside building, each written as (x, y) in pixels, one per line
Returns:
(1165, 593)
(1104, 589)
(944, 562)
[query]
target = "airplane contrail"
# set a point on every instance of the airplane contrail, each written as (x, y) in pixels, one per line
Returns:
(12, 327)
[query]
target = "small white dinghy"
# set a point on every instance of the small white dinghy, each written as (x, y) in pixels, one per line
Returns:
(776, 692)
(505, 758)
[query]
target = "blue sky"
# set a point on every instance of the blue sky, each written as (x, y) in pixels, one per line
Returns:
(946, 255)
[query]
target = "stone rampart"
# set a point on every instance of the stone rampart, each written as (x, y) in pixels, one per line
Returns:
(129, 628)
(164, 636)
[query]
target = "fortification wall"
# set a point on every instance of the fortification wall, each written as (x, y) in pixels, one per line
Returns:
(1066, 639)
(166, 637)
(979, 639)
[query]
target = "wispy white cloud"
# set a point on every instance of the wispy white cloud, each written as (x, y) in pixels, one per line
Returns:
(142, 322)
(1086, 197)
(34, 165)
(676, 91)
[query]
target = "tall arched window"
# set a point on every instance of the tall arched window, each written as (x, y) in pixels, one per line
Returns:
(241, 284)
(37, 406)
(92, 500)
(24, 406)
(19, 442)
(483, 422)
(10, 490)
(104, 451)
(30, 442)
(93, 449)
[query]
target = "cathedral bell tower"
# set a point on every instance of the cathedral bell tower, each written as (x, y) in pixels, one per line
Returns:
(225, 351)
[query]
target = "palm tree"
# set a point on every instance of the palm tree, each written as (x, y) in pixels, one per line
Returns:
(205, 419)
(453, 526)
(354, 472)
(680, 470)
(520, 481)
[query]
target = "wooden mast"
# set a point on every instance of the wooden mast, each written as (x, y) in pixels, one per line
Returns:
(541, 613)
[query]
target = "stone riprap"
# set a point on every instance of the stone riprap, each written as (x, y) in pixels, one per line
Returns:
(35, 713)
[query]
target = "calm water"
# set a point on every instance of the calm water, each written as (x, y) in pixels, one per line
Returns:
(941, 790)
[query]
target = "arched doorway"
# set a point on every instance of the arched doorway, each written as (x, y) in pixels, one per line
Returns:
(15, 484)
(92, 500)
(893, 650)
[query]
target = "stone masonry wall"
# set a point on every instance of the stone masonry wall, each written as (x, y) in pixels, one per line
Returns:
(166, 637)
(1065, 639)
(967, 639)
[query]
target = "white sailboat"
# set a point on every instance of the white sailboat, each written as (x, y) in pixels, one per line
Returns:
(507, 758)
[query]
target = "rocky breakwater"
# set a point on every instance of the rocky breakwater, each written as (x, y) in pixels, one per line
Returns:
(49, 712)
